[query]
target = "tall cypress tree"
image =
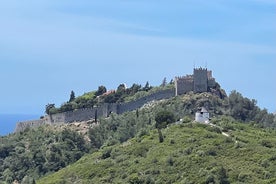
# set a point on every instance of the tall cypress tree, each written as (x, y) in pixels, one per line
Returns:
(72, 96)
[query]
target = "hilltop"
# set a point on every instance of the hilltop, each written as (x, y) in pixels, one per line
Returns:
(190, 153)
(39, 151)
(102, 103)
(90, 123)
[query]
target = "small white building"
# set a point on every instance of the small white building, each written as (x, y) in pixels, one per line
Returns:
(202, 115)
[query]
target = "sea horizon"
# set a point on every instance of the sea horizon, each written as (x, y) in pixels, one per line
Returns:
(8, 121)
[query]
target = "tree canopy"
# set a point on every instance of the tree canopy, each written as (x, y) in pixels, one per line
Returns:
(163, 118)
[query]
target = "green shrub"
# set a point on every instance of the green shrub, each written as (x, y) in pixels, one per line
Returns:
(266, 175)
(170, 161)
(188, 151)
(172, 141)
(154, 160)
(267, 143)
(265, 163)
(211, 152)
(140, 151)
(142, 133)
(213, 129)
(135, 180)
(200, 153)
(106, 153)
(210, 179)
(244, 177)
(186, 119)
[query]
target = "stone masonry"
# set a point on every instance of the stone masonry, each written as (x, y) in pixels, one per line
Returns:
(199, 82)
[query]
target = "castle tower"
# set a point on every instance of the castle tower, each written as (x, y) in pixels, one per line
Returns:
(200, 80)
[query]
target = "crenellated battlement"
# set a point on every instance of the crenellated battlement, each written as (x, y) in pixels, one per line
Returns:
(184, 77)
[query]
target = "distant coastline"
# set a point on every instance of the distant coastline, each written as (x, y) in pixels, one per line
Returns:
(8, 121)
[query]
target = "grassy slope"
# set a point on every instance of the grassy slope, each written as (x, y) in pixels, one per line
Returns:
(191, 153)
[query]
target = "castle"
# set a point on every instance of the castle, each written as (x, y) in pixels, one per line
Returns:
(200, 81)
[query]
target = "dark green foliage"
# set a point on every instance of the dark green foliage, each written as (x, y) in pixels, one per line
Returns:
(268, 143)
(244, 109)
(213, 129)
(186, 119)
(106, 153)
(163, 118)
(119, 128)
(170, 161)
(72, 96)
(101, 90)
(28, 155)
(147, 87)
(48, 108)
(97, 136)
(160, 136)
(69, 106)
(133, 89)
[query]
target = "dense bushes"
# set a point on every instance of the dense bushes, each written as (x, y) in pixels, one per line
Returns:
(244, 109)
(200, 159)
(28, 155)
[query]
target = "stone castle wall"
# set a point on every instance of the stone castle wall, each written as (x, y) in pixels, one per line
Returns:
(29, 124)
(89, 113)
(130, 106)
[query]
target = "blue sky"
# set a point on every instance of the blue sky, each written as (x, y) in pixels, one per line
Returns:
(49, 47)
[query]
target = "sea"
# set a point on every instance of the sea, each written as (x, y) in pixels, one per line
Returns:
(8, 122)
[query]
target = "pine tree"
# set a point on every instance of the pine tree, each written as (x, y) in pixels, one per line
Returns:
(147, 87)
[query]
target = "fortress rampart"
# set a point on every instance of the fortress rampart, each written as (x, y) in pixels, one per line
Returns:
(86, 114)
(198, 82)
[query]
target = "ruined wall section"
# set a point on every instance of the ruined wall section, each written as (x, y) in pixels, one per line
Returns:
(184, 84)
(20, 126)
(211, 82)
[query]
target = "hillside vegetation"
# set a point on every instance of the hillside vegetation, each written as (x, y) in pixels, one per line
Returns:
(28, 155)
(34, 153)
(191, 153)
